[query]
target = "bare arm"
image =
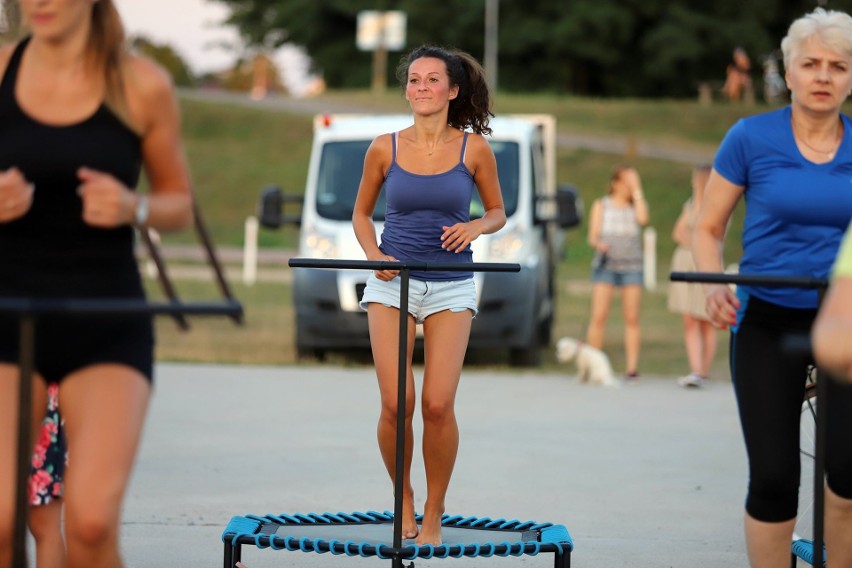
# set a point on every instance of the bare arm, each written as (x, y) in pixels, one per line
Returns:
(720, 199)
(681, 234)
(154, 114)
(595, 221)
(376, 162)
(831, 335)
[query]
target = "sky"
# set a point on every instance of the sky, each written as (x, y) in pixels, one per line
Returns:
(191, 27)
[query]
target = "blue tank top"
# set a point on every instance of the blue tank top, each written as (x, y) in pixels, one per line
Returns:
(419, 207)
(51, 251)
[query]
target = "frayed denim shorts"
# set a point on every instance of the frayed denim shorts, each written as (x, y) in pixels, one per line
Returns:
(618, 278)
(424, 298)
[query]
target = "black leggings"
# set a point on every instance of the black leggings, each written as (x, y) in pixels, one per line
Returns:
(769, 385)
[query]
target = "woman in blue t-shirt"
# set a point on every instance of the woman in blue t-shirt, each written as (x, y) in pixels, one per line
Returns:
(429, 171)
(793, 166)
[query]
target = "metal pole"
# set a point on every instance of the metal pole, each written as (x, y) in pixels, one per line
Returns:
(819, 457)
(26, 351)
(399, 468)
(492, 9)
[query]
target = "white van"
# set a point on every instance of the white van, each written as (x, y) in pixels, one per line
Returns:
(516, 309)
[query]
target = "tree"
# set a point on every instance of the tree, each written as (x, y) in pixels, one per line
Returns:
(167, 57)
(591, 47)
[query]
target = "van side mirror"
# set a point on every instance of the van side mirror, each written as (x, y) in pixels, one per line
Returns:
(270, 207)
(569, 206)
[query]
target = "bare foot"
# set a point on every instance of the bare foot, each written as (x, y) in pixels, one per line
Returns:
(430, 530)
(409, 524)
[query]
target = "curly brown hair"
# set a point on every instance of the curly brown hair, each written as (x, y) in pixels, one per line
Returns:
(472, 107)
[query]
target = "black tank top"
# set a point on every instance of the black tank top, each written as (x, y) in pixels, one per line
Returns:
(51, 251)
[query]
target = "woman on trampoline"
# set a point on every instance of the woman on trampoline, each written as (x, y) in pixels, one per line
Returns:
(79, 116)
(793, 167)
(429, 171)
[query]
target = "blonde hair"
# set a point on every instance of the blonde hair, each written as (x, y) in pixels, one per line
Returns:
(833, 29)
(106, 51)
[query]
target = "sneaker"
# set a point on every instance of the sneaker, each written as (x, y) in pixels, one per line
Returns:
(692, 380)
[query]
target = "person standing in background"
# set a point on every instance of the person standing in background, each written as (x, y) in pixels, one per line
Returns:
(615, 232)
(699, 335)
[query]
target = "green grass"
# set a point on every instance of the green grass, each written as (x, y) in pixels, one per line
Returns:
(234, 152)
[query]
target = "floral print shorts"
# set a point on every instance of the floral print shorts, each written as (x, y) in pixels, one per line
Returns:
(49, 455)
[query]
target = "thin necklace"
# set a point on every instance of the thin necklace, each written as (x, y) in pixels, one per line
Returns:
(835, 144)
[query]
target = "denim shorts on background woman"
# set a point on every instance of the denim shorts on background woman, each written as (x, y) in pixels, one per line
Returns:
(618, 279)
(424, 298)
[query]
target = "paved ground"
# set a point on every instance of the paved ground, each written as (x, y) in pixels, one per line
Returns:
(649, 475)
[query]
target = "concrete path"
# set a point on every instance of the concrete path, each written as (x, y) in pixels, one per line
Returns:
(649, 475)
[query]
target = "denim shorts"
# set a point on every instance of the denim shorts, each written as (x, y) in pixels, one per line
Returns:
(424, 298)
(618, 278)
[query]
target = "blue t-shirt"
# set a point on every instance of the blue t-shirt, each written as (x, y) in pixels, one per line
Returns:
(796, 210)
(418, 208)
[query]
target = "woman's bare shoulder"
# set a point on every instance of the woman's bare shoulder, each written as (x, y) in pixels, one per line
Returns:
(150, 91)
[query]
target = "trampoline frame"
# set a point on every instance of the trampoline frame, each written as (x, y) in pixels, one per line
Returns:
(236, 534)
(249, 530)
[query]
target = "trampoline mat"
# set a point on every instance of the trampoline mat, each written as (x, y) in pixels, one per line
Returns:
(382, 533)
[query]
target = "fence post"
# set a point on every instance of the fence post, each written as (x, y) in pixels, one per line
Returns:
(250, 251)
(150, 265)
(649, 245)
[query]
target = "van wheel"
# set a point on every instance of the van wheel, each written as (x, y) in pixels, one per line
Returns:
(310, 353)
(529, 355)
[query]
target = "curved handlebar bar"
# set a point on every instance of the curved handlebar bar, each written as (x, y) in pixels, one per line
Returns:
(406, 265)
(772, 280)
(115, 307)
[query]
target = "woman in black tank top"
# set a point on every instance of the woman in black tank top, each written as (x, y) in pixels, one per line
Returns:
(79, 117)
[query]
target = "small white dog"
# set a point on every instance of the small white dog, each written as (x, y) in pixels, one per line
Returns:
(592, 364)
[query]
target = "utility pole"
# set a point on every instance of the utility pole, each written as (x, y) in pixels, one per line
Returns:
(492, 9)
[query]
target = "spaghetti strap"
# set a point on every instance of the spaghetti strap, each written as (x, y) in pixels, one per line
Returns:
(393, 147)
(464, 147)
(7, 84)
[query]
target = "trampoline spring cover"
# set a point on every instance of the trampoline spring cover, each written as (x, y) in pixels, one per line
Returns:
(369, 534)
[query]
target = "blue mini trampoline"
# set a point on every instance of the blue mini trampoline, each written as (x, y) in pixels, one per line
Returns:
(371, 534)
(380, 534)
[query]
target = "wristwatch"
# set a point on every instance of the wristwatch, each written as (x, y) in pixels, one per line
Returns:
(141, 211)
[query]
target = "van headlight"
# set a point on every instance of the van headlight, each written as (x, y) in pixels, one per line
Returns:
(317, 244)
(507, 246)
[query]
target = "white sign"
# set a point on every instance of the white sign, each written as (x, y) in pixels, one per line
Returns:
(378, 29)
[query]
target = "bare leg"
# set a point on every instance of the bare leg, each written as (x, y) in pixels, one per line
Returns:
(838, 537)
(104, 408)
(708, 352)
(46, 526)
(9, 380)
(446, 336)
(384, 339)
(692, 341)
(768, 544)
(631, 297)
(601, 302)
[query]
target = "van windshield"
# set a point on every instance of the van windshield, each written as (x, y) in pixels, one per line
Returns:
(340, 173)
